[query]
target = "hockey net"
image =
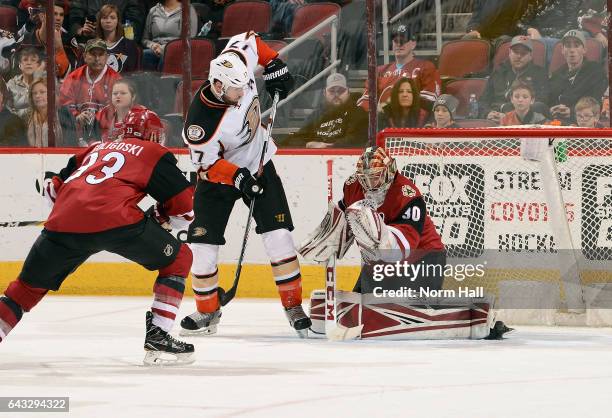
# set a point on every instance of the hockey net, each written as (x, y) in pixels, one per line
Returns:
(541, 229)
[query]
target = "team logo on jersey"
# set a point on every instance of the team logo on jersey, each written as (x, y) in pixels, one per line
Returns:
(198, 231)
(227, 64)
(195, 133)
(251, 122)
(168, 251)
(408, 191)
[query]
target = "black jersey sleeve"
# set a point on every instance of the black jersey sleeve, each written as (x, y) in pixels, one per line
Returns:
(166, 179)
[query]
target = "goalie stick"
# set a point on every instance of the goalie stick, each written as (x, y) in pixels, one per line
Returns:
(226, 296)
(333, 330)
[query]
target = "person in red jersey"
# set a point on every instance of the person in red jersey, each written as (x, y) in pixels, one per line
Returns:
(95, 209)
(386, 214)
(406, 65)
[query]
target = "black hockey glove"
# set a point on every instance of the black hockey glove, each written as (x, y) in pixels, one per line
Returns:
(247, 184)
(277, 77)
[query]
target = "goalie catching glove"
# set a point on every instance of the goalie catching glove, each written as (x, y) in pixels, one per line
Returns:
(278, 79)
(331, 238)
(375, 239)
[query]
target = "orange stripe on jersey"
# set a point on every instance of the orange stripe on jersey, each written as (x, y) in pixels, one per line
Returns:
(222, 171)
(264, 52)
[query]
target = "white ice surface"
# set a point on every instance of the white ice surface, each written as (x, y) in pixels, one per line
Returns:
(90, 349)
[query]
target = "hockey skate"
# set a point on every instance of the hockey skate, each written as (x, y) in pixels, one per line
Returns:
(498, 330)
(199, 323)
(298, 320)
(162, 349)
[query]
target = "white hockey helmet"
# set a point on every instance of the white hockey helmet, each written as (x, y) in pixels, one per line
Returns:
(230, 70)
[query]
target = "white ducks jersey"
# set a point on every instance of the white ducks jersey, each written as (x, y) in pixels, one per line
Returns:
(218, 133)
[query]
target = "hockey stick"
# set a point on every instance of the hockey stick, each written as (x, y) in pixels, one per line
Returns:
(226, 296)
(333, 330)
(22, 223)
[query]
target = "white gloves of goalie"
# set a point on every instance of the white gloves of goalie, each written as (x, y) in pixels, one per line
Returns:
(338, 229)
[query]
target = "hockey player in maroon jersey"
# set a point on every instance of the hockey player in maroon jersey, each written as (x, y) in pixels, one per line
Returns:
(95, 208)
(225, 137)
(386, 214)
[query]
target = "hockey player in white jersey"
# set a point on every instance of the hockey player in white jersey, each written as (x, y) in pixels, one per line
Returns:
(225, 139)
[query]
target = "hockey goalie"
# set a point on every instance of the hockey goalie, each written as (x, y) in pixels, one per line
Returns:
(403, 260)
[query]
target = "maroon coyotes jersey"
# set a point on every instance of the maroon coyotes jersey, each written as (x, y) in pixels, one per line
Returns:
(103, 184)
(403, 209)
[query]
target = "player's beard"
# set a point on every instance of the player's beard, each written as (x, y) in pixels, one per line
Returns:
(230, 102)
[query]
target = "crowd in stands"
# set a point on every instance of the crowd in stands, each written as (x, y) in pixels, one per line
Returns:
(547, 64)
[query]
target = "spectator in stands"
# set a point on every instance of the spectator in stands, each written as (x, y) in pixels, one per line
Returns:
(122, 52)
(593, 19)
(495, 20)
(12, 128)
(404, 109)
(65, 54)
(215, 15)
(588, 112)
(30, 65)
(108, 121)
(405, 66)
(576, 79)
(522, 97)
(37, 119)
(162, 26)
(519, 67)
(7, 42)
(337, 124)
(548, 20)
(83, 16)
(444, 109)
(87, 89)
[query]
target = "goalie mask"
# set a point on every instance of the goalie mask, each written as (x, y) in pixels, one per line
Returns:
(145, 125)
(375, 172)
(230, 70)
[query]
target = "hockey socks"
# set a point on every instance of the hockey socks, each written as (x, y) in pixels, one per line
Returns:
(205, 288)
(18, 298)
(168, 295)
(288, 281)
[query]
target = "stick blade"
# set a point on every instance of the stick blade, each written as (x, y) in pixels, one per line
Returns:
(342, 333)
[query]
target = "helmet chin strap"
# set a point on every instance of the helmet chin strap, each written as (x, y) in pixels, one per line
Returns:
(378, 195)
(216, 94)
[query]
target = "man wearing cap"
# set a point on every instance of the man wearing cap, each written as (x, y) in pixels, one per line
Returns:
(405, 65)
(519, 66)
(88, 88)
(337, 124)
(576, 79)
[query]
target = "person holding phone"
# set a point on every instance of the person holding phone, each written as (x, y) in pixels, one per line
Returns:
(83, 16)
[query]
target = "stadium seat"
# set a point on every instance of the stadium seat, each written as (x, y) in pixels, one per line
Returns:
(593, 53)
(464, 57)
(538, 54)
(8, 18)
(462, 89)
(178, 100)
(202, 51)
(243, 16)
(309, 15)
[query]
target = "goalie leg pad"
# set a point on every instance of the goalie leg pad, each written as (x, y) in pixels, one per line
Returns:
(205, 277)
(331, 237)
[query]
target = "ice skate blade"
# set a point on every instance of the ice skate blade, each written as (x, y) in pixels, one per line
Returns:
(342, 333)
(302, 333)
(198, 332)
(161, 359)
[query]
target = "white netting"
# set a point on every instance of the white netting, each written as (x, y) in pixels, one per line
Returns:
(492, 205)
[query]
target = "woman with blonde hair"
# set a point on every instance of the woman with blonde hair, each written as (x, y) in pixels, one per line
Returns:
(37, 120)
(109, 120)
(122, 52)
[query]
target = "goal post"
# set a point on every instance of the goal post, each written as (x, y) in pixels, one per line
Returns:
(532, 206)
